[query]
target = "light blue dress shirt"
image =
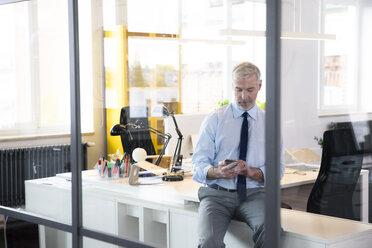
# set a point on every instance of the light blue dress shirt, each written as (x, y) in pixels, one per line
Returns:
(219, 139)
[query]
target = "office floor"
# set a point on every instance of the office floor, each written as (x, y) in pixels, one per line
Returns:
(19, 234)
(297, 197)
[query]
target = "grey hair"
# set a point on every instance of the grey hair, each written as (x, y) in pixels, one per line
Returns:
(246, 69)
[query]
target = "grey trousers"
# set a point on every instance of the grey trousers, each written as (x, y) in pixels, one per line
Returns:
(217, 208)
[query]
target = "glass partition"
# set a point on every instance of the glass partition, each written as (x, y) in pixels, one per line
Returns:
(35, 124)
(325, 114)
(179, 54)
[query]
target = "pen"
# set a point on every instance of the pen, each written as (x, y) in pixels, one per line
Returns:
(109, 169)
(126, 165)
(99, 167)
(104, 169)
(122, 159)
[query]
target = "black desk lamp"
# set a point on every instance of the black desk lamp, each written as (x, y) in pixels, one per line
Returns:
(163, 112)
(119, 129)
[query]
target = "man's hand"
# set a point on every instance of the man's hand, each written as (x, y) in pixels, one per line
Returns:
(233, 169)
(224, 170)
(254, 173)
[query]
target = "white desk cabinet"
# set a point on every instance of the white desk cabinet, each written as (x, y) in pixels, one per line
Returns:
(166, 216)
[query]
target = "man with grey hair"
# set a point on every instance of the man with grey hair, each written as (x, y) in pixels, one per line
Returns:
(229, 159)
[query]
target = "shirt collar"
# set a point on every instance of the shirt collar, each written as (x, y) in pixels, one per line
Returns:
(238, 111)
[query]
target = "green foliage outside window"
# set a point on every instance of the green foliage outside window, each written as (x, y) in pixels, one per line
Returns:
(225, 102)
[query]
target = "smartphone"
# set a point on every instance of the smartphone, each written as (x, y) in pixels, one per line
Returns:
(229, 161)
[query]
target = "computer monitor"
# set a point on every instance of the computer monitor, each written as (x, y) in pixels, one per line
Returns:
(189, 125)
(362, 132)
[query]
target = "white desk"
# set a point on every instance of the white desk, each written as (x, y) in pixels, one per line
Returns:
(165, 215)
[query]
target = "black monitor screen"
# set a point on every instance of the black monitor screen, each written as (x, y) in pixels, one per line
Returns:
(361, 131)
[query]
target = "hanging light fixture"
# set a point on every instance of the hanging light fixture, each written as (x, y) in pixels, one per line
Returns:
(295, 35)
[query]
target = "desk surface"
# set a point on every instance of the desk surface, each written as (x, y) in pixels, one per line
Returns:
(185, 190)
(293, 177)
(322, 227)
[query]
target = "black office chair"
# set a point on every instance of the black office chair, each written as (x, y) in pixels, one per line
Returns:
(340, 168)
(136, 137)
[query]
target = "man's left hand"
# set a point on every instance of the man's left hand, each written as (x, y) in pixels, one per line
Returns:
(251, 172)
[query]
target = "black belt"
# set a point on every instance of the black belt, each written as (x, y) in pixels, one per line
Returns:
(218, 187)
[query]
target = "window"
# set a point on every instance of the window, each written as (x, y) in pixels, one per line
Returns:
(339, 82)
(175, 53)
(183, 47)
(206, 66)
(34, 70)
(15, 106)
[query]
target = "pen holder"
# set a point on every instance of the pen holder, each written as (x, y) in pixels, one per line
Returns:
(116, 172)
(133, 174)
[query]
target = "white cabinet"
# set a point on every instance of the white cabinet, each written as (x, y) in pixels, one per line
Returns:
(156, 216)
(144, 222)
(128, 221)
(184, 227)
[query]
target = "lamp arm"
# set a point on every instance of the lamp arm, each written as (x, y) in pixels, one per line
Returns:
(165, 136)
(177, 155)
(157, 132)
(157, 162)
(176, 126)
(151, 129)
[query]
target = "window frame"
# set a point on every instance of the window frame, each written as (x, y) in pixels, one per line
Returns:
(345, 109)
(33, 128)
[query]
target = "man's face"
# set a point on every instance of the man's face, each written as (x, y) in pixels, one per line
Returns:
(246, 90)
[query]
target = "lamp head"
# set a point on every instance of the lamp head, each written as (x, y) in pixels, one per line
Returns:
(160, 111)
(118, 129)
(139, 154)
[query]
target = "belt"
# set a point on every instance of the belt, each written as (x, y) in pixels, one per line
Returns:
(218, 187)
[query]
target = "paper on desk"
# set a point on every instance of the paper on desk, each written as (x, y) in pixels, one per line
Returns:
(151, 167)
(57, 182)
(304, 155)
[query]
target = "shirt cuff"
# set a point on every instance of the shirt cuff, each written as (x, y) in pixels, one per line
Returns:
(200, 175)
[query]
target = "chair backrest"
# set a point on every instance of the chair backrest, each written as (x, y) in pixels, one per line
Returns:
(136, 137)
(338, 175)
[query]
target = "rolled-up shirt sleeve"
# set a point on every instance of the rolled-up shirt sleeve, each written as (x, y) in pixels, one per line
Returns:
(205, 150)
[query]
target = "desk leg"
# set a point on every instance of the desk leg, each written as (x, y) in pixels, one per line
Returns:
(364, 188)
(42, 236)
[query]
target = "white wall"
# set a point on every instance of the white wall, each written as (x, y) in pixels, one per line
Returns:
(299, 80)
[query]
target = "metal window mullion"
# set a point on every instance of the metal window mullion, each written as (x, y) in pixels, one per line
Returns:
(227, 90)
(113, 239)
(12, 1)
(180, 99)
(34, 64)
(36, 219)
(321, 78)
(272, 126)
(358, 63)
(76, 148)
(33, 218)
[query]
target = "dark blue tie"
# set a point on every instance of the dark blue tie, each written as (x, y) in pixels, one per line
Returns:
(243, 156)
